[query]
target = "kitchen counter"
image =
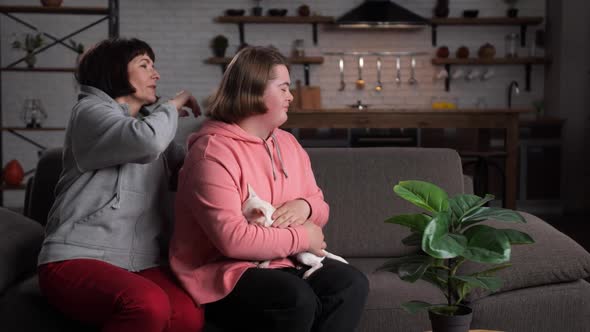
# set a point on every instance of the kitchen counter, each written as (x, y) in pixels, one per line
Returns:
(506, 119)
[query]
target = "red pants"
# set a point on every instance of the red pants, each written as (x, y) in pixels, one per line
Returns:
(102, 294)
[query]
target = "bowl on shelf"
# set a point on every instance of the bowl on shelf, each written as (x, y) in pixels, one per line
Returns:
(277, 12)
(470, 13)
(235, 12)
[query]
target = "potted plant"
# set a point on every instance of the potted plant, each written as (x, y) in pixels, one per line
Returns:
(29, 45)
(450, 234)
(219, 45)
(78, 48)
(512, 11)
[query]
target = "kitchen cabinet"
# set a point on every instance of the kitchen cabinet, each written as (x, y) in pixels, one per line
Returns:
(109, 13)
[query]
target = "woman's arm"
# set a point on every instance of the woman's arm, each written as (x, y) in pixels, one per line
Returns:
(102, 136)
(215, 204)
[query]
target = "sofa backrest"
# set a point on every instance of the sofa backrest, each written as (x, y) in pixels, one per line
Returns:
(41, 188)
(358, 185)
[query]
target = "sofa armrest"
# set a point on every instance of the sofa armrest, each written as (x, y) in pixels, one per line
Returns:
(20, 242)
(467, 184)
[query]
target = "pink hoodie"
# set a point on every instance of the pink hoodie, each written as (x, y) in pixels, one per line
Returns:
(213, 244)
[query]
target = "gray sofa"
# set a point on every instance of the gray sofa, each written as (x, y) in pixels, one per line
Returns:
(544, 290)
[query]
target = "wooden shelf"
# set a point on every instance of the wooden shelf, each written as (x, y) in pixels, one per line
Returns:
(4, 187)
(241, 20)
(40, 69)
(523, 22)
(488, 21)
(32, 129)
(298, 60)
(305, 61)
(55, 10)
(275, 19)
(492, 61)
(528, 62)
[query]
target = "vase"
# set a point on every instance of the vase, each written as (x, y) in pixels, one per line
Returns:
(51, 3)
(459, 321)
(442, 8)
(30, 60)
(512, 12)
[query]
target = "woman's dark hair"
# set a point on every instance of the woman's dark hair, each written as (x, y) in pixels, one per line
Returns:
(243, 84)
(104, 66)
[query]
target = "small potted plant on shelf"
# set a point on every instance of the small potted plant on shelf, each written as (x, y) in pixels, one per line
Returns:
(219, 45)
(78, 48)
(512, 10)
(29, 45)
(449, 234)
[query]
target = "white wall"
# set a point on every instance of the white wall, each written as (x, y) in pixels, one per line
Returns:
(180, 30)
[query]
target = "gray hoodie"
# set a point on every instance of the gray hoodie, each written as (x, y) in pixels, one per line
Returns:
(112, 198)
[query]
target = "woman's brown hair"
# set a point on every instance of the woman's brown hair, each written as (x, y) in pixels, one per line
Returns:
(243, 83)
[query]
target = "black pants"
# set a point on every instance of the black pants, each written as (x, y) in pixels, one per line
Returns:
(331, 299)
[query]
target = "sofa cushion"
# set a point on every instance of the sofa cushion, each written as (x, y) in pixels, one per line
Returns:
(358, 185)
(553, 258)
(19, 247)
(23, 308)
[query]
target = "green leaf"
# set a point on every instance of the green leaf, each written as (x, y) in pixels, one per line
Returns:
(462, 205)
(438, 243)
(416, 222)
(415, 306)
(423, 194)
(494, 269)
(517, 237)
(486, 244)
(413, 240)
(414, 267)
(437, 279)
(486, 282)
(486, 213)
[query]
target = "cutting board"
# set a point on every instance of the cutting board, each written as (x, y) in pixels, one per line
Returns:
(306, 97)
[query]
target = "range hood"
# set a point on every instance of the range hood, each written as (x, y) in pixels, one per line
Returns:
(381, 14)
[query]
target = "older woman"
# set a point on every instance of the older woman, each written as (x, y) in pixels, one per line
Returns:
(101, 261)
(213, 246)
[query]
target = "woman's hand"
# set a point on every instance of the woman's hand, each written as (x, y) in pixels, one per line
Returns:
(185, 99)
(316, 239)
(291, 213)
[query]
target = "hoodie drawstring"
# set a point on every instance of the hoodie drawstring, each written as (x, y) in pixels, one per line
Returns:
(272, 164)
(274, 139)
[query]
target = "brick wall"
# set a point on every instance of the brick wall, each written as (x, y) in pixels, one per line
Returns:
(180, 30)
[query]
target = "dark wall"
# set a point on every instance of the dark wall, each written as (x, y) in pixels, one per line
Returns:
(567, 91)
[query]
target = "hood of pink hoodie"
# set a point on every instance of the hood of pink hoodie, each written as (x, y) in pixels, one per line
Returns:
(235, 132)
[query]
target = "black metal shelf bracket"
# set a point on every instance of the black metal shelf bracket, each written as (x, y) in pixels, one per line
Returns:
(448, 78)
(314, 28)
(26, 139)
(523, 29)
(434, 26)
(241, 29)
(528, 69)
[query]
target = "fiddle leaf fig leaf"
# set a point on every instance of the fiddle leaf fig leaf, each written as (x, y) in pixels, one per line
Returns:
(487, 213)
(486, 244)
(438, 242)
(517, 237)
(423, 194)
(416, 222)
(462, 205)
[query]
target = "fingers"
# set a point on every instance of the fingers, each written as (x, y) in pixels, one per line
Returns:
(183, 99)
